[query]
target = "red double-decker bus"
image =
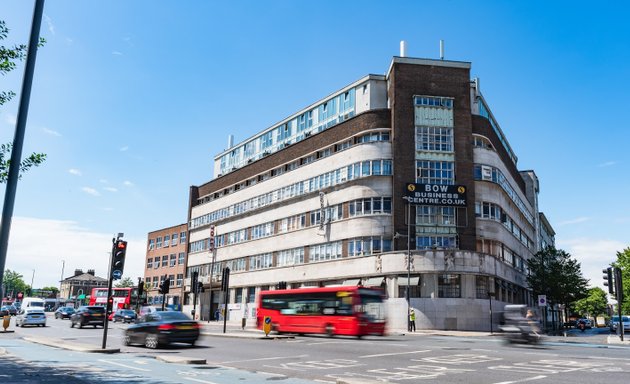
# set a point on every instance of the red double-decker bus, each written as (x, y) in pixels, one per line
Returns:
(340, 310)
(123, 298)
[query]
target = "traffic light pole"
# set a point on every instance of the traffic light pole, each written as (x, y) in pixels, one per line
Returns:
(619, 287)
(109, 293)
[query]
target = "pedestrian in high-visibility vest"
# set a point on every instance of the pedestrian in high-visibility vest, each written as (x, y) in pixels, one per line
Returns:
(412, 321)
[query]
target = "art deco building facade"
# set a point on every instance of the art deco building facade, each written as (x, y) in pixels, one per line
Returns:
(321, 198)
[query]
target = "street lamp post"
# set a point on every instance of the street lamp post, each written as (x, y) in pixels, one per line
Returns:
(32, 281)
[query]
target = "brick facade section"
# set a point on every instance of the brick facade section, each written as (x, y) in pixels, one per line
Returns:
(406, 81)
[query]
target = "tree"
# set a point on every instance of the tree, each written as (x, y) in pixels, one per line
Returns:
(555, 274)
(13, 283)
(596, 304)
(8, 58)
(53, 290)
(623, 263)
(125, 283)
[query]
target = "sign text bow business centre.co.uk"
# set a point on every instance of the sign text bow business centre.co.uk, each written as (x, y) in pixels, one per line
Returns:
(436, 194)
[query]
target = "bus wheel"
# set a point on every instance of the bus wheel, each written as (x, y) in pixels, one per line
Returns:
(330, 330)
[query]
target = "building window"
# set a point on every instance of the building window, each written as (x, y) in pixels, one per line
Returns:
(449, 286)
(159, 242)
(174, 239)
(180, 279)
(155, 282)
(326, 251)
(181, 258)
(429, 242)
(182, 237)
(363, 246)
(437, 139)
(167, 240)
(262, 230)
(173, 260)
(369, 206)
(238, 295)
(263, 261)
(434, 172)
(290, 257)
(151, 244)
(235, 265)
(251, 294)
(164, 261)
(481, 285)
(414, 288)
(149, 263)
(435, 215)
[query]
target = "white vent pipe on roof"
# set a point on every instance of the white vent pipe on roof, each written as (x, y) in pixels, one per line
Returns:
(441, 49)
(403, 48)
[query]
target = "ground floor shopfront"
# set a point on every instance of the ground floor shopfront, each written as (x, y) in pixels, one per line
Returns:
(449, 289)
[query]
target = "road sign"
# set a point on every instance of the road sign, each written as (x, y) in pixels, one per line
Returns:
(267, 325)
(542, 300)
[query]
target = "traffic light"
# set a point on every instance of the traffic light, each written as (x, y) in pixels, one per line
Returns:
(608, 280)
(225, 279)
(110, 304)
(140, 288)
(165, 286)
(199, 287)
(193, 280)
(118, 259)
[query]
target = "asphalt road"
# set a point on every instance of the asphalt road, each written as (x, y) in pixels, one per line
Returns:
(402, 358)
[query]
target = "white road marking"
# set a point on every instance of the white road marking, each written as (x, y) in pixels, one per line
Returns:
(200, 381)
(263, 358)
(392, 354)
(124, 365)
(523, 380)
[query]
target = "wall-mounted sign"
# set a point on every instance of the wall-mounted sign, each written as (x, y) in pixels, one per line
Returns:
(436, 194)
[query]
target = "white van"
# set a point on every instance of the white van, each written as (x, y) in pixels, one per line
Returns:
(33, 302)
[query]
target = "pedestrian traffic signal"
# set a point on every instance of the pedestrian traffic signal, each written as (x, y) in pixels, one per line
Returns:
(608, 280)
(118, 259)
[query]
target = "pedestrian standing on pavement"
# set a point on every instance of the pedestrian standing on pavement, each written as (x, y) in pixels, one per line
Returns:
(412, 320)
(217, 313)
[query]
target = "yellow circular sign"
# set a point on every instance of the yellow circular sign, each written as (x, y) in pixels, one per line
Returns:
(461, 189)
(411, 187)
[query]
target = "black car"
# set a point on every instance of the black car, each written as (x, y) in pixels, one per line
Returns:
(124, 315)
(88, 315)
(64, 312)
(161, 328)
(9, 309)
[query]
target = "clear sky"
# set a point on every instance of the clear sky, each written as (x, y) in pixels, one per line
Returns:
(132, 100)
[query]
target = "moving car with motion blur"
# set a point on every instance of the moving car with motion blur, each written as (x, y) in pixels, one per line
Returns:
(64, 312)
(124, 315)
(161, 328)
(30, 316)
(88, 315)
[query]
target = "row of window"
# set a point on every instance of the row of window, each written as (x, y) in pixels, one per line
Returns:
(502, 252)
(364, 138)
(155, 281)
(327, 114)
(434, 101)
(167, 261)
(363, 246)
(341, 175)
(489, 173)
(359, 207)
(435, 172)
(163, 242)
(486, 210)
(437, 139)
(485, 112)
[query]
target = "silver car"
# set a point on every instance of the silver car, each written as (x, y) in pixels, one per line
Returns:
(31, 316)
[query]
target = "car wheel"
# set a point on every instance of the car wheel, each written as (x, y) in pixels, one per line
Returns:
(151, 341)
(126, 340)
(71, 324)
(80, 325)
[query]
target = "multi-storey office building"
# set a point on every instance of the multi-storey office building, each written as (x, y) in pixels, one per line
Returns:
(323, 197)
(166, 257)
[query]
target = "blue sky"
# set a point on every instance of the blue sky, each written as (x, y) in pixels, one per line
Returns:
(132, 100)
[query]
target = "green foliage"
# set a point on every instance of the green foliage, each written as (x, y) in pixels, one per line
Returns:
(8, 58)
(14, 282)
(623, 263)
(595, 304)
(127, 282)
(554, 273)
